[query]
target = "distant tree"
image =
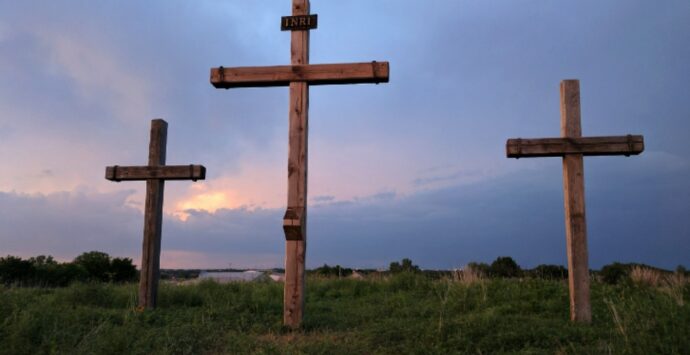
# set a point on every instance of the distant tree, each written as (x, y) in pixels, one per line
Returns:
(408, 266)
(96, 264)
(44, 271)
(42, 260)
(395, 267)
(122, 270)
(614, 273)
(550, 272)
(504, 266)
(66, 273)
(45, 268)
(324, 270)
(405, 265)
(333, 271)
(14, 270)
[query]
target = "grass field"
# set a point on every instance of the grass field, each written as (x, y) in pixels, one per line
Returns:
(405, 314)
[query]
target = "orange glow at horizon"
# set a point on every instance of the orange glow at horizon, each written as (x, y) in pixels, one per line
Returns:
(236, 192)
(210, 201)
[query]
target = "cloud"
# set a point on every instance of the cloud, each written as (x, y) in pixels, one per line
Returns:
(326, 198)
(97, 74)
(65, 224)
(637, 216)
(412, 168)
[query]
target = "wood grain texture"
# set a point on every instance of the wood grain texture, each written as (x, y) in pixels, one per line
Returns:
(168, 172)
(153, 219)
(589, 146)
(576, 238)
(574, 201)
(295, 224)
(314, 74)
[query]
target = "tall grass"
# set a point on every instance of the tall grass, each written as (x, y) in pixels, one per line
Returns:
(645, 276)
(675, 286)
(468, 275)
(402, 314)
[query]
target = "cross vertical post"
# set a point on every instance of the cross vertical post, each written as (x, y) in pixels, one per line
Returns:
(153, 219)
(573, 147)
(574, 200)
(298, 76)
(295, 219)
(155, 174)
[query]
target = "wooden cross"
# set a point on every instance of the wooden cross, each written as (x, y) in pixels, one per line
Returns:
(155, 175)
(572, 147)
(298, 76)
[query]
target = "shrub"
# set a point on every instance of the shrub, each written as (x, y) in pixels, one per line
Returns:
(100, 267)
(14, 270)
(96, 263)
(550, 272)
(613, 273)
(504, 266)
(333, 271)
(122, 270)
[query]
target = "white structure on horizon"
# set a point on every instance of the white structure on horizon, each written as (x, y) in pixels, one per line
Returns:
(233, 276)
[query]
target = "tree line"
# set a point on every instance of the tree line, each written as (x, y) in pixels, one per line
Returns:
(502, 267)
(42, 270)
(95, 266)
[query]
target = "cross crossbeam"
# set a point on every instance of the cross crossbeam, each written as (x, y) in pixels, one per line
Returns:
(168, 172)
(588, 146)
(313, 74)
(155, 174)
(572, 147)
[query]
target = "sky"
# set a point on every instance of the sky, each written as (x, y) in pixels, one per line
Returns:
(414, 168)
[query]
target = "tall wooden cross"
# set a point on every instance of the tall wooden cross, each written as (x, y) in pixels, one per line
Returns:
(298, 76)
(572, 147)
(155, 174)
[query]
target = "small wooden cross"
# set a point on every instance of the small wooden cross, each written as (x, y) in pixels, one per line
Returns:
(298, 76)
(155, 175)
(572, 147)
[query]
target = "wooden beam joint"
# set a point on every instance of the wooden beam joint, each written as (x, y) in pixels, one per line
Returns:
(293, 223)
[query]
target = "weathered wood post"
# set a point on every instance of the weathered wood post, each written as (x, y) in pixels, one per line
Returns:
(574, 201)
(572, 147)
(295, 219)
(298, 76)
(155, 174)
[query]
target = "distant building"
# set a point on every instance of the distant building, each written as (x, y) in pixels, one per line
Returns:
(233, 276)
(277, 277)
(356, 275)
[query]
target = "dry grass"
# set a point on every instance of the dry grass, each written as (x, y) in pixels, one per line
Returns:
(671, 284)
(645, 276)
(468, 275)
(674, 286)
